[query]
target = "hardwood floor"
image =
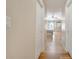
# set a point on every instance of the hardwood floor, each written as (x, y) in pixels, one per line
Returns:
(55, 51)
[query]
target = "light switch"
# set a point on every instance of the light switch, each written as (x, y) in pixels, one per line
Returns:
(8, 22)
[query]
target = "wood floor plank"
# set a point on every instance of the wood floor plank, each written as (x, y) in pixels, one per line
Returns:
(55, 50)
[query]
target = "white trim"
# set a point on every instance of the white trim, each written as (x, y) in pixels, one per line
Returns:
(40, 3)
(68, 3)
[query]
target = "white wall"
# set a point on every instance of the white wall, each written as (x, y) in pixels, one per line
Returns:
(39, 29)
(25, 38)
(67, 33)
(21, 37)
(63, 34)
(69, 28)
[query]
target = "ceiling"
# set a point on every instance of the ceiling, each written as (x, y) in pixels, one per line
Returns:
(54, 7)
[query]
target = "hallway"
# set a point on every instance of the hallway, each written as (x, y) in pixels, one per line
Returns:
(55, 50)
(31, 25)
(58, 20)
